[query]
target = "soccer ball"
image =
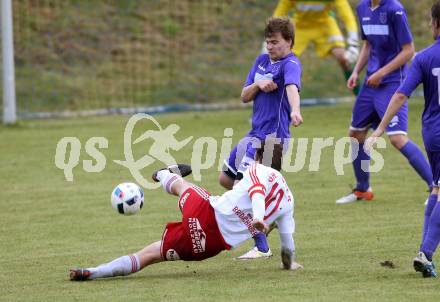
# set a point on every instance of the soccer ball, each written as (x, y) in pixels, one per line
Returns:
(127, 198)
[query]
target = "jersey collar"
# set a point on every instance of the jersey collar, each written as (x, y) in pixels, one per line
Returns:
(382, 2)
(273, 62)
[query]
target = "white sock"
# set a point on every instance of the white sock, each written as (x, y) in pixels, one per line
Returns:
(167, 179)
(121, 266)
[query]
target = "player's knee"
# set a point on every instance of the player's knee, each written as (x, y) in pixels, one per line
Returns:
(398, 141)
(179, 187)
(150, 254)
(225, 181)
(358, 135)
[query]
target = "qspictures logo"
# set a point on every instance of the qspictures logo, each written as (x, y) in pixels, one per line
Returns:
(206, 151)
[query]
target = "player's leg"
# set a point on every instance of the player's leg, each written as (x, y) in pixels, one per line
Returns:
(225, 180)
(302, 38)
(171, 178)
(121, 266)
(363, 116)
(431, 227)
(414, 156)
(432, 200)
(228, 174)
(423, 262)
(331, 42)
(397, 133)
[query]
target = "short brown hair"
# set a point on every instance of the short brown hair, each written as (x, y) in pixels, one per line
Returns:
(435, 14)
(282, 26)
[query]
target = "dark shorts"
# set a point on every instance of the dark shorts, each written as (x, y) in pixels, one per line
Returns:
(370, 107)
(197, 236)
(434, 161)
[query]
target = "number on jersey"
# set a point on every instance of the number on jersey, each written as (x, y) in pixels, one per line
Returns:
(436, 73)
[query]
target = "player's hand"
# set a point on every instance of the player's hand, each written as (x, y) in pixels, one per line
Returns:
(371, 141)
(352, 52)
(296, 118)
(267, 85)
(353, 80)
(293, 266)
(375, 79)
(260, 225)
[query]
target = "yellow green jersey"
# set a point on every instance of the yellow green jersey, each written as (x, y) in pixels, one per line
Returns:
(311, 13)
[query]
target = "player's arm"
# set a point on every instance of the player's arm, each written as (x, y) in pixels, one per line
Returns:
(292, 80)
(400, 27)
(249, 92)
(346, 13)
(283, 8)
(294, 102)
(402, 58)
(360, 65)
(252, 88)
(414, 78)
(257, 193)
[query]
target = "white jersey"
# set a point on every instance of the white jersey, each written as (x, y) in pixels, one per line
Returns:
(233, 210)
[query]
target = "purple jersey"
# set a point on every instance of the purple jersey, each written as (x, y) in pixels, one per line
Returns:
(386, 29)
(426, 69)
(271, 111)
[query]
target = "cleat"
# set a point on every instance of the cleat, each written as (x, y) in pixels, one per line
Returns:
(423, 265)
(180, 169)
(356, 196)
(254, 253)
(80, 274)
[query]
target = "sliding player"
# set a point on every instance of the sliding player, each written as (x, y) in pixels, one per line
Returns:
(211, 224)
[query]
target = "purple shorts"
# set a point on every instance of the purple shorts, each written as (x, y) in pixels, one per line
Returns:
(241, 157)
(434, 161)
(370, 107)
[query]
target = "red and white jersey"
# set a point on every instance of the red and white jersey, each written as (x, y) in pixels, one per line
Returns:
(233, 210)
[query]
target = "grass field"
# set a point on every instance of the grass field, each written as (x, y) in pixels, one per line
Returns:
(48, 225)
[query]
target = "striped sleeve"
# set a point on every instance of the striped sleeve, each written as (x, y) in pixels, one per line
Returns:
(256, 186)
(257, 192)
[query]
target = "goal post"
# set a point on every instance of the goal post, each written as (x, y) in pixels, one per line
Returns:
(9, 105)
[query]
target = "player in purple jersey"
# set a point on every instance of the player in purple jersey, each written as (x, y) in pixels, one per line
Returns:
(273, 85)
(424, 69)
(387, 47)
